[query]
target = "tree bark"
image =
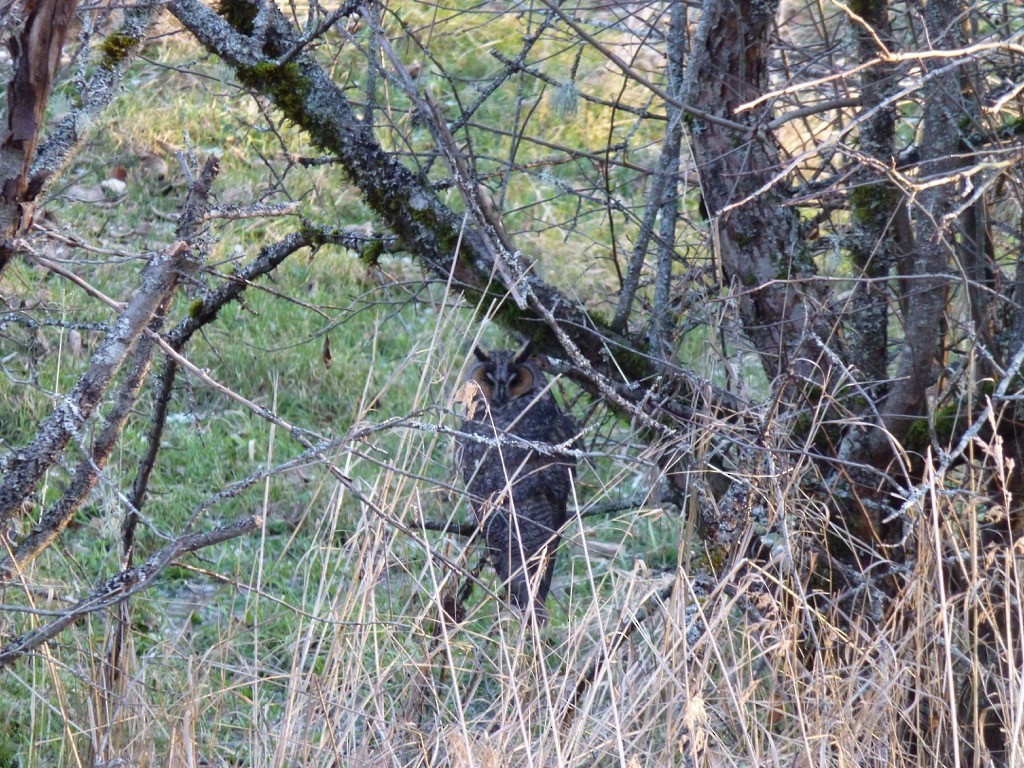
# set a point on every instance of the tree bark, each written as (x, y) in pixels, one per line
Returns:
(37, 55)
(881, 233)
(924, 271)
(761, 250)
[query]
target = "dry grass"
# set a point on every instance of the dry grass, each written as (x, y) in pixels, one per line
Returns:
(746, 666)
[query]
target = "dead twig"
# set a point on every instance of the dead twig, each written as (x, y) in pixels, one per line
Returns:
(126, 583)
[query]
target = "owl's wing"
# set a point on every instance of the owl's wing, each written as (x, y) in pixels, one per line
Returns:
(467, 451)
(565, 429)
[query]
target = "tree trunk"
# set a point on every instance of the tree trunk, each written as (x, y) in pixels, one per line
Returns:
(881, 232)
(37, 55)
(924, 270)
(761, 251)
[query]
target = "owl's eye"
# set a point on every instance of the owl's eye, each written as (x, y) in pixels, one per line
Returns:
(489, 378)
(521, 382)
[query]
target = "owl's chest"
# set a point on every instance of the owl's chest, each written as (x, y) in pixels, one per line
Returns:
(510, 446)
(530, 421)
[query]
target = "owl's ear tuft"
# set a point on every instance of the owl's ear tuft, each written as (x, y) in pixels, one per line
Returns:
(524, 353)
(482, 356)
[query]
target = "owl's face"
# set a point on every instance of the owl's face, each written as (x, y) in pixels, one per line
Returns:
(504, 375)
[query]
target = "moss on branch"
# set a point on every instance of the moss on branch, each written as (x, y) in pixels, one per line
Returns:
(116, 48)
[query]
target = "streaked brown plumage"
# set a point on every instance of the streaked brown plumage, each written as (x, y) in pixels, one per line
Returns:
(519, 493)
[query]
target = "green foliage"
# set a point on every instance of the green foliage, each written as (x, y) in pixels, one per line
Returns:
(115, 48)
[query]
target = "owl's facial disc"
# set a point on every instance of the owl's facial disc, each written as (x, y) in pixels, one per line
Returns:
(499, 394)
(521, 381)
(485, 380)
(504, 376)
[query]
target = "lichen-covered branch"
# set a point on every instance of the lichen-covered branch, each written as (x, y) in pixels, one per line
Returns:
(305, 94)
(126, 583)
(202, 313)
(24, 468)
(59, 514)
(95, 93)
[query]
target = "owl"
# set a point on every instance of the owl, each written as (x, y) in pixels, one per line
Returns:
(518, 493)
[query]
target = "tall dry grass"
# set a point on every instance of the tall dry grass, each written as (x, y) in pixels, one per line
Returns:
(747, 662)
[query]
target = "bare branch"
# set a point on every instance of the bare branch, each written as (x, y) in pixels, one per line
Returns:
(24, 468)
(144, 313)
(126, 583)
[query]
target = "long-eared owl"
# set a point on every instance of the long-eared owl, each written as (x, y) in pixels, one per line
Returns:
(518, 491)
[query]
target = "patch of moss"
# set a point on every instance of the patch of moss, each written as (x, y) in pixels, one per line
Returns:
(635, 364)
(716, 558)
(115, 48)
(870, 201)
(949, 422)
(284, 83)
(918, 436)
(372, 252)
(948, 419)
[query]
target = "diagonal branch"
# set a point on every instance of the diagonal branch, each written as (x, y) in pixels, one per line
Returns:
(127, 583)
(201, 314)
(119, 49)
(23, 468)
(437, 235)
(59, 514)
